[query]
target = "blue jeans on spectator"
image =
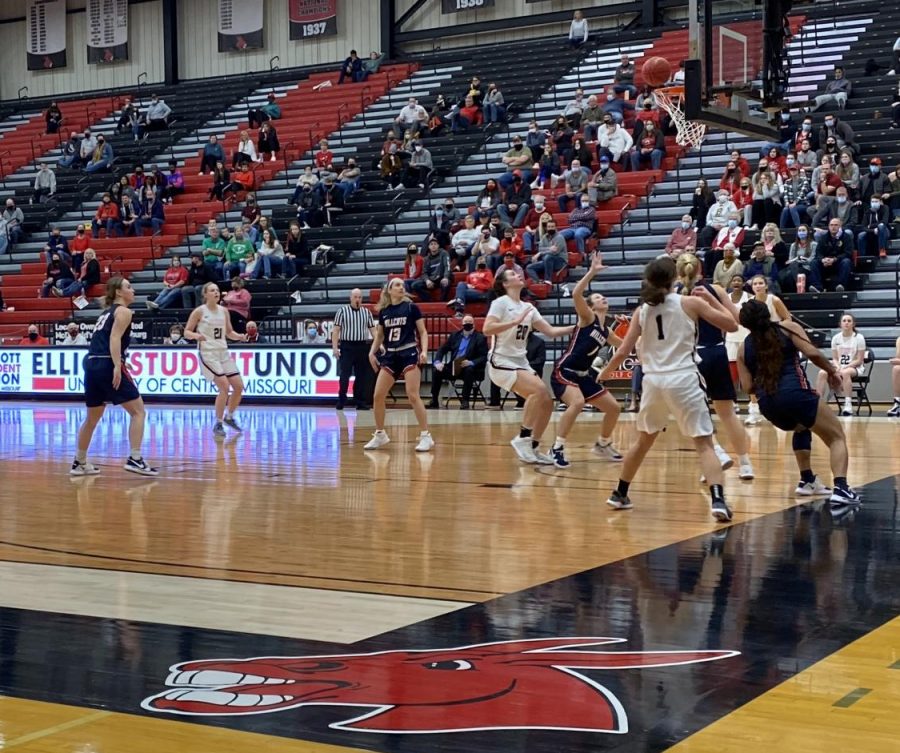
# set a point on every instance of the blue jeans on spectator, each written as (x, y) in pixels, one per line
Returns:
(590, 131)
(73, 161)
(784, 146)
(96, 167)
(215, 268)
(516, 221)
(793, 214)
(506, 179)
(549, 264)
(622, 88)
(267, 266)
(459, 123)
(655, 158)
(168, 297)
(153, 223)
(233, 268)
(865, 241)
(565, 199)
(840, 271)
(493, 113)
(464, 294)
(580, 234)
(69, 288)
(110, 226)
(616, 116)
(289, 266)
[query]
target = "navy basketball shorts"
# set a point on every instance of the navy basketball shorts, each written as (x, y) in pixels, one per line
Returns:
(563, 378)
(98, 384)
(716, 372)
(397, 363)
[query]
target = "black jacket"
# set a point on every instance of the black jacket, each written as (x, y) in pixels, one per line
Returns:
(476, 352)
(199, 275)
(840, 248)
(519, 193)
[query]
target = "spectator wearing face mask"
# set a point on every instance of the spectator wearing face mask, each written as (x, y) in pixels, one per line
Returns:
(106, 216)
(801, 254)
(743, 200)
(463, 355)
(477, 286)
(533, 223)
(873, 231)
(158, 113)
(835, 128)
(551, 256)
(101, 158)
(548, 167)
(253, 334)
(574, 109)
(616, 106)
(787, 131)
(651, 148)
(874, 183)
(392, 167)
(420, 165)
(838, 90)
(59, 277)
(795, 194)
(576, 180)
(267, 143)
(73, 336)
(832, 261)
(582, 221)
(516, 202)
(312, 335)
(519, 158)
(33, 339)
(493, 105)
(604, 185)
(683, 238)
(717, 218)
(841, 208)
(14, 219)
(176, 336)
(485, 246)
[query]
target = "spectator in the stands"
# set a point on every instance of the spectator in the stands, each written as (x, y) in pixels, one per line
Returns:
(535, 230)
(151, 214)
(392, 167)
(604, 185)
(251, 216)
(102, 157)
(176, 336)
(120, 188)
(800, 256)
(830, 150)
(199, 273)
(136, 179)
(841, 208)
(309, 207)
(548, 167)
(324, 159)
(808, 133)
(436, 273)
(573, 109)
(731, 177)
(562, 133)
(806, 157)
(787, 131)
(78, 245)
(535, 138)
(462, 356)
(873, 231)
(174, 183)
(874, 183)
(85, 149)
(581, 152)
(840, 131)
(651, 148)
(59, 274)
(645, 113)
(727, 267)
(895, 109)
(238, 254)
(159, 179)
(307, 177)
(623, 77)
(221, 181)
(271, 110)
(441, 222)
(838, 90)
(518, 158)
(683, 238)
(613, 141)
(244, 179)
(212, 154)
(761, 265)
(124, 122)
(616, 106)
(832, 261)
(766, 199)
(53, 117)
(106, 216)
(311, 334)
(157, 115)
(591, 118)
(419, 166)
(34, 339)
(89, 274)
(267, 142)
(244, 152)
(895, 59)
(351, 68)
(848, 171)
(73, 335)
(740, 162)
(827, 187)
(485, 246)
(489, 198)
(510, 243)
(551, 256)
(271, 256)
(467, 115)
(743, 200)
(237, 301)
(56, 243)
(575, 180)
(214, 253)
(412, 117)
(716, 216)
(516, 201)
(795, 195)
(128, 217)
(332, 201)
(582, 221)
(578, 30)
(473, 90)
(371, 64)
(462, 243)
(44, 184)
(253, 334)
(732, 233)
(174, 280)
(71, 150)
(413, 266)
(494, 105)
(477, 286)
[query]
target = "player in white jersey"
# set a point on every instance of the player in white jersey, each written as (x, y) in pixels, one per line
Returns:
(848, 354)
(210, 326)
(672, 382)
(509, 321)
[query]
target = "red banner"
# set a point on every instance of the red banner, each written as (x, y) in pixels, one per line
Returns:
(313, 18)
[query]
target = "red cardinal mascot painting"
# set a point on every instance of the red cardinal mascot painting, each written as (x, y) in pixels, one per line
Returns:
(528, 684)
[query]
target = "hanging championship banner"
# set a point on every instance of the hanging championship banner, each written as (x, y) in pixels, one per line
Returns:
(457, 6)
(313, 18)
(45, 34)
(240, 25)
(107, 31)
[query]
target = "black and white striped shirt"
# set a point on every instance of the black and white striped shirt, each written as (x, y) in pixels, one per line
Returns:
(355, 324)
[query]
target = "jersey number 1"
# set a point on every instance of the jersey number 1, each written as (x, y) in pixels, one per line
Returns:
(660, 335)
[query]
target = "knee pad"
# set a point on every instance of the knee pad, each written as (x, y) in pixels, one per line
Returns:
(802, 440)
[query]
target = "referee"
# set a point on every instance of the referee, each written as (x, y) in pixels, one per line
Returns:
(354, 329)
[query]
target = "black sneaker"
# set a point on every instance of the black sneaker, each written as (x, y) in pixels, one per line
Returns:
(720, 511)
(140, 467)
(894, 412)
(339, 405)
(230, 422)
(841, 497)
(619, 501)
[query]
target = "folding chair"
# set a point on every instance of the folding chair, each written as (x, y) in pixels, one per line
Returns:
(860, 386)
(456, 385)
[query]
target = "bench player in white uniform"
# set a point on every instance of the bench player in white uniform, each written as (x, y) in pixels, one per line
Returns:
(672, 382)
(210, 326)
(509, 321)
(848, 354)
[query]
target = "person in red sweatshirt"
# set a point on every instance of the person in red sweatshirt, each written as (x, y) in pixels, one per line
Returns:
(33, 339)
(477, 287)
(107, 215)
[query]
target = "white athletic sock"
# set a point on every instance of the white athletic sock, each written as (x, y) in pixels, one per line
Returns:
(717, 447)
(559, 443)
(603, 441)
(744, 459)
(80, 456)
(136, 453)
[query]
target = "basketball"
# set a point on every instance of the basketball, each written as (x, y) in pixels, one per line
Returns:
(656, 71)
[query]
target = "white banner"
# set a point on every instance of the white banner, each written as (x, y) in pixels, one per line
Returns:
(271, 373)
(107, 30)
(45, 34)
(240, 25)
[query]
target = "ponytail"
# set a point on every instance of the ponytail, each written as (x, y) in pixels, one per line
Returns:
(766, 342)
(686, 268)
(659, 275)
(113, 286)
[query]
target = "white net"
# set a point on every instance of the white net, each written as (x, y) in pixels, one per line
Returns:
(689, 133)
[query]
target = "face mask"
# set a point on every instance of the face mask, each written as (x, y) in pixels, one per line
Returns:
(551, 233)
(801, 234)
(32, 336)
(789, 162)
(829, 123)
(763, 168)
(785, 117)
(841, 199)
(875, 206)
(585, 204)
(732, 223)
(517, 147)
(874, 169)
(807, 127)
(539, 208)
(532, 130)
(722, 199)
(468, 327)
(311, 332)
(685, 225)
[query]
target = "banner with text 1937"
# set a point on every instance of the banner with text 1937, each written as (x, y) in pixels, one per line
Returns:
(45, 34)
(240, 25)
(313, 18)
(107, 31)
(460, 6)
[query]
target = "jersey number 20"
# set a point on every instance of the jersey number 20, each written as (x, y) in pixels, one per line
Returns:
(522, 332)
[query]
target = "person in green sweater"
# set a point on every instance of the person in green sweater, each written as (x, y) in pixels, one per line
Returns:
(214, 252)
(238, 253)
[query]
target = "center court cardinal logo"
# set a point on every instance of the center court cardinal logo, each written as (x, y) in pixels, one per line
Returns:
(528, 684)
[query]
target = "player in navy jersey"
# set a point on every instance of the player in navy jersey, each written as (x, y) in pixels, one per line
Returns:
(400, 333)
(714, 367)
(106, 380)
(574, 379)
(769, 365)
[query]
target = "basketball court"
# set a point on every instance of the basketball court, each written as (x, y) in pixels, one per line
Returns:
(455, 600)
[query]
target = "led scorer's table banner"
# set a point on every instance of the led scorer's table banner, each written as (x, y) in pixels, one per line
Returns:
(270, 372)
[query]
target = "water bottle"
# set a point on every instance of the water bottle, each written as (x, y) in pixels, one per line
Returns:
(801, 283)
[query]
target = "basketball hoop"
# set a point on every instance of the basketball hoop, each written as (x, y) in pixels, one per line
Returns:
(690, 133)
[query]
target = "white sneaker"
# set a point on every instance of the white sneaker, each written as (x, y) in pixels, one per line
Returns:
(426, 443)
(272, 158)
(379, 439)
(814, 488)
(83, 469)
(724, 458)
(746, 472)
(607, 452)
(754, 417)
(848, 408)
(543, 458)
(523, 448)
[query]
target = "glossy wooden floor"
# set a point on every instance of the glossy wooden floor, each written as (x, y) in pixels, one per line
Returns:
(292, 531)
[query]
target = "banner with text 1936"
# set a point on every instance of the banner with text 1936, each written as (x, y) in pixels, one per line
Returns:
(107, 31)
(460, 6)
(240, 25)
(313, 18)
(45, 34)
